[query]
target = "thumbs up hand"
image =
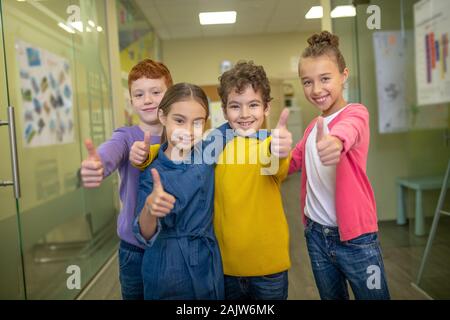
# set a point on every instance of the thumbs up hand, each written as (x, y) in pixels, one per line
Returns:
(140, 150)
(328, 147)
(281, 143)
(159, 203)
(91, 167)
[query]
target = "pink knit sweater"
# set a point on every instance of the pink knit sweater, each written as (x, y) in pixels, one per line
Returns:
(355, 202)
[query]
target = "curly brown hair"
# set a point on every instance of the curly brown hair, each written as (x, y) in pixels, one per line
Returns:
(242, 75)
(325, 43)
(150, 69)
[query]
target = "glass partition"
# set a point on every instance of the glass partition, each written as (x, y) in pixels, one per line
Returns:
(409, 148)
(11, 276)
(137, 41)
(428, 149)
(58, 79)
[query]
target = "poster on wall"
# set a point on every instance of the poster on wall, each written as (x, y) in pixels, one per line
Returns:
(397, 112)
(432, 28)
(47, 96)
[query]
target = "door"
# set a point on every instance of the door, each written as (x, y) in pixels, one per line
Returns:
(11, 275)
(58, 83)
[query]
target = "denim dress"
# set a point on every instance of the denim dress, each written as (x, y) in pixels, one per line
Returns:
(182, 259)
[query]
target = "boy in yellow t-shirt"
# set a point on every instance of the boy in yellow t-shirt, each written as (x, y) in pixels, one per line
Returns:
(249, 220)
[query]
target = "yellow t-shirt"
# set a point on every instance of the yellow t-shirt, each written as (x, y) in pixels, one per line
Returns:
(249, 219)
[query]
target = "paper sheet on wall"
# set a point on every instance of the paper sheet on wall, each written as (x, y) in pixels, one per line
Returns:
(432, 28)
(395, 112)
(47, 96)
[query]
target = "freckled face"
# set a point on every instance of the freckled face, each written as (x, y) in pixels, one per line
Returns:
(146, 94)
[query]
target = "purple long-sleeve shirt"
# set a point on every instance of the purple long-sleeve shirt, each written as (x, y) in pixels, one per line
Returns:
(114, 154)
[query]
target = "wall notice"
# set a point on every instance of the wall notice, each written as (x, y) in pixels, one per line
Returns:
(47, 96)
(432, 27)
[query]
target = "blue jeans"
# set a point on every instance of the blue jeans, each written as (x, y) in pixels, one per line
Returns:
(334, 263)
(268, 287)
(130, 272)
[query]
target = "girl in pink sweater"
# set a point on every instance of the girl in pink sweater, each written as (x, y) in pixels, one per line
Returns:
(337, 201)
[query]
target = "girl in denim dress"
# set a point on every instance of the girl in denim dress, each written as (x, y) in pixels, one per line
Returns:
(175, 204)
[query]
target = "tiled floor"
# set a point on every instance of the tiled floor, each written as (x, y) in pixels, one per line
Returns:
(402, 252)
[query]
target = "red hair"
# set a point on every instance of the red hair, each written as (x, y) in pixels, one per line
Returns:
(150, 69)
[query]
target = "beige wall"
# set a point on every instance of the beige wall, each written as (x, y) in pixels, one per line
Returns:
(198, 60)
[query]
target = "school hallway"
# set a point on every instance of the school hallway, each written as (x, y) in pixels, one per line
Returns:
(399, 259)
(67, 69)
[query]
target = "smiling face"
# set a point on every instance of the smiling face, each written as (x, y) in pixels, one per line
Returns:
(184, 124)
(146, 94)
(245, 111)
(323, 83)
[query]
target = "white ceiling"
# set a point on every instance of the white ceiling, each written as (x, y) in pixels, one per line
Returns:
(175, 19)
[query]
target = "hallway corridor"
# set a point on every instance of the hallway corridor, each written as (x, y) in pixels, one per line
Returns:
(398, 259)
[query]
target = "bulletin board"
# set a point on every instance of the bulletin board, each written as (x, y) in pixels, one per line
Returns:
(47, 96)
(396, 111)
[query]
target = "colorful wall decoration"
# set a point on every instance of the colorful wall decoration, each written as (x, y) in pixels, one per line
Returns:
(47, 96)
(432, 27)
(396, 110)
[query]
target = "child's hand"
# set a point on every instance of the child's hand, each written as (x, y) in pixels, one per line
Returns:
(159, 203)
(328, 147)
(140, 150)
(92, 167)
(281, 143)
